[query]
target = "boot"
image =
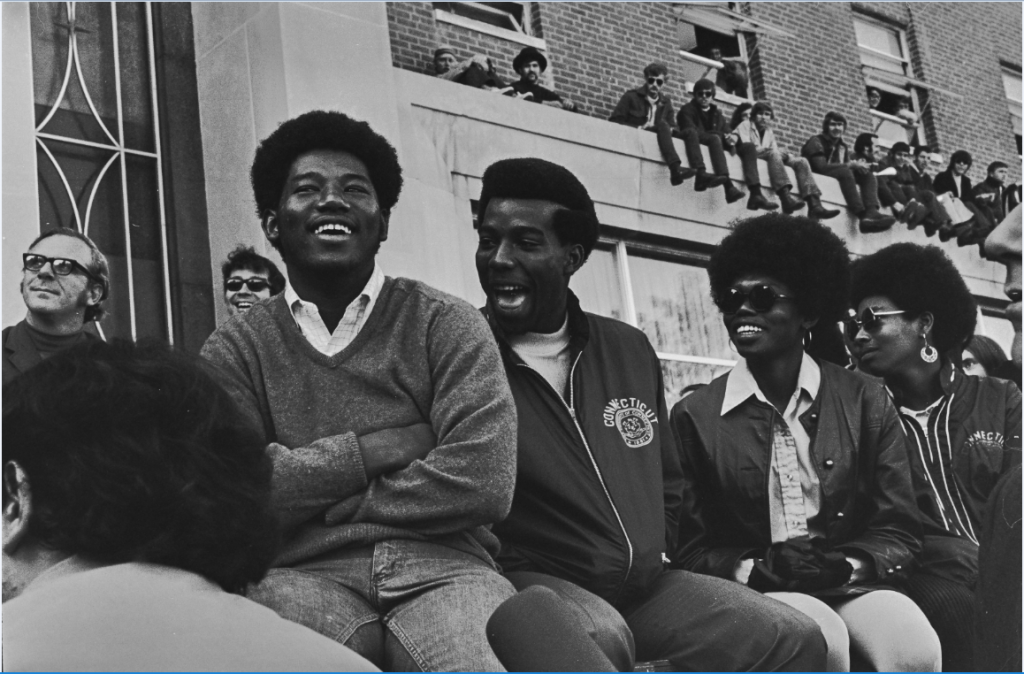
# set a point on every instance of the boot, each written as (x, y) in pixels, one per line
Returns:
(872, 221)
(702, 181)
(949, 230)
(733, 193)
(790, 204)
(757, 200)
(679, 173)
(916, 214)
(815, 211)
(972, 236)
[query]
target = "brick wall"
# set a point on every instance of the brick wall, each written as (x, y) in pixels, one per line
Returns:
(598, 50)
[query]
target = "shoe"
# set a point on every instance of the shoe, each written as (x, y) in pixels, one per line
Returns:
(680, 173)
(931, 227)
(815, 211)
(702, 181)
(733, 193)
(790, 203)
(872, 221)
(970, 237)
(756, 201)
(910, 213)
(948, 230)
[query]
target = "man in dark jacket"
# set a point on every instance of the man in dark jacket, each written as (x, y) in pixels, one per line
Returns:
(992, 195)
(829, 156)
(531, 64)
(650, 109)
(701, 122)
(598, 476)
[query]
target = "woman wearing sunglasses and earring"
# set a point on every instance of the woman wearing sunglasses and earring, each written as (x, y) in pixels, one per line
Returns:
(912, 316)
(797, 483)
(248, 278)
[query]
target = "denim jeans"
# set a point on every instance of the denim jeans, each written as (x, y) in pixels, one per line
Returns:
(404, 605)
(852, 178)
(700, 623)
(777, 163)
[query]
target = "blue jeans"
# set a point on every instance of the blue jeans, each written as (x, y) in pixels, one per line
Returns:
(699, 623)
(403, 605)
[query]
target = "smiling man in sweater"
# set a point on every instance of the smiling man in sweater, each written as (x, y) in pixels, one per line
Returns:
(385, 410)
(599, 483)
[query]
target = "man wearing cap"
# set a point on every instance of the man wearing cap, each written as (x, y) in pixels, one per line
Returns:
(702, 123)
(531, 64)
(476, 71)
(64, 282)
(598, 483)
(650, 109)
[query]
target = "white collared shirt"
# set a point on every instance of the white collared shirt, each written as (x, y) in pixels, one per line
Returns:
(307, 316)
(794, 491)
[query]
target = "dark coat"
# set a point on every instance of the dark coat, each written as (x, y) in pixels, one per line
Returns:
(691, 117)
(945, 182)
(538, 93)
(859, 454)
(823, 150)
(598, 474)
(20, 352)
(634, 107)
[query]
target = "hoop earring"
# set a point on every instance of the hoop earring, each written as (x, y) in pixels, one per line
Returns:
(808, 340)
(929, 353)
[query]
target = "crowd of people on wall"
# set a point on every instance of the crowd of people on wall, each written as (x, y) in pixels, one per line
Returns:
(869, 177)
(360, 471)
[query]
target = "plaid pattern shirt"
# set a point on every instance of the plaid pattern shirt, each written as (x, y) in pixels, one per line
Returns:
(307, 316)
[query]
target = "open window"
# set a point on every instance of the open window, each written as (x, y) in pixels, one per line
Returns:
(890, 91)
(713, 45)
(1012, 84)
(509, 20)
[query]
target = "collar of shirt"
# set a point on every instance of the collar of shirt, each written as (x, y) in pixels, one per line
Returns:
(741, 385)
(307, 315)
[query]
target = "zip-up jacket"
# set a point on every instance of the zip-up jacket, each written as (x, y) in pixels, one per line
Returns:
(858, 453)
(598, 472)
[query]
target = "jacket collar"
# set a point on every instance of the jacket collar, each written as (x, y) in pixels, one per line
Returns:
(740, 384)
(19, 348)
(579, 328)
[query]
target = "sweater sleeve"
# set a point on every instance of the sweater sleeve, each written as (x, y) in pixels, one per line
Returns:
(306, 480)
(467, 480)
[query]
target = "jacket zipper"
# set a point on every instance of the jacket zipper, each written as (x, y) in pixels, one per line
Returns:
(572, 413)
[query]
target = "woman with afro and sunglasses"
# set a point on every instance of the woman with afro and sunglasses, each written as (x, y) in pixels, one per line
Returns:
(912, 317)
(796, 469)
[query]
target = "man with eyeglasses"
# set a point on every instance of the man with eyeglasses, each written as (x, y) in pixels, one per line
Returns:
(702, 123)
(64, 281)
(649, 108)
(248, 278)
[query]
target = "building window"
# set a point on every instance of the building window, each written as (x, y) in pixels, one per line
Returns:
(508, 20)
(1011, 82)
(666, 293)
(884, 60)
(98, 150)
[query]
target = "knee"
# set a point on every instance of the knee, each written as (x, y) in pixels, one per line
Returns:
(713, 141)
(802, 644)
(800, 164)
(690, 135)
(919, 651)
(368, 641)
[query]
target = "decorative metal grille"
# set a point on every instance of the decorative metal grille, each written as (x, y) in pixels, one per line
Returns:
(98, 150)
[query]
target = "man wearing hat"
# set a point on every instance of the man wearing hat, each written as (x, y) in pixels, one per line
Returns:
(598, 480)
(476, 71)
(531, 64)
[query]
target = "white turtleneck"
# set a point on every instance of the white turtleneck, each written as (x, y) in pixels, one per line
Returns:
(548, 354)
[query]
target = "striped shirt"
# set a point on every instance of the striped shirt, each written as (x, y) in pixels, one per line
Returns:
(307, 316)
(929, 443)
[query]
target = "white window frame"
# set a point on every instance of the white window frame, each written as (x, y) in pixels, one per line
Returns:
(711, 64)
(912, 128)
(1014, 105)
(521, 36)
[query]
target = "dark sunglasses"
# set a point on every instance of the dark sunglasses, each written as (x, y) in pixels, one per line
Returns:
(870, 320)
(762, 298)
(61, 266)
(705, 93)
(255, 284)
(656, 80)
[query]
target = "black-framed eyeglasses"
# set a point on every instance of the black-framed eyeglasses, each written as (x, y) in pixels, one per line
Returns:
(704, 93)
(254, 283)
(61, 266)
(656, 80)
(869, 320)
(762, 298)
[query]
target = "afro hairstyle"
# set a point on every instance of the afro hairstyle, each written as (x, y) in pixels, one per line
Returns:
(323, 130)
(806, 256)
(918, 279)
(532, 178)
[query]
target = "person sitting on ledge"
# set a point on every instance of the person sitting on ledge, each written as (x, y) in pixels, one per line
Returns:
(531, 64)
(476, 71)
(829, 156)
(650, 109)
(701, 122)
(758, 131)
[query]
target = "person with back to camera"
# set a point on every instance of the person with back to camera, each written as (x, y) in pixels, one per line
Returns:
(248, 278)
(136, 502)
(912, 316)
(796, 475)
(758, 131)
(983, 357)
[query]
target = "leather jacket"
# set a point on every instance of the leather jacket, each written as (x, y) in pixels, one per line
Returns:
(859, 454)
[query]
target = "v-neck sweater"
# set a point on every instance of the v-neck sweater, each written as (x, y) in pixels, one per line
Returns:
(422, 356)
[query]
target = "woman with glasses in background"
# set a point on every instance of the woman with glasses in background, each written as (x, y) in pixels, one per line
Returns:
(912, 317)
(797, 481)
(248, 278)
